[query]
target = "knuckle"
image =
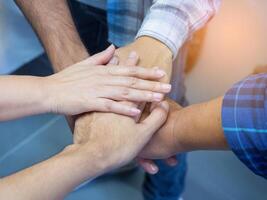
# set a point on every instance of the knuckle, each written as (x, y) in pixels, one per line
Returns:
(108, 105)
(132, 71)
(125, 93)
(149, 95)
(133, 82)
(109, 70)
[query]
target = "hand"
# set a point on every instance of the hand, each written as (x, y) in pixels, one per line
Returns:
(89, 86)
(151, 53)
(163, 144)
(116, 148)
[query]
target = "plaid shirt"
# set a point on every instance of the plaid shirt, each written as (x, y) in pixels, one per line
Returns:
(244, 119)
(170, 21)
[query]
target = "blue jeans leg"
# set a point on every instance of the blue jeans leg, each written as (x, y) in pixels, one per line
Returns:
(168, 184)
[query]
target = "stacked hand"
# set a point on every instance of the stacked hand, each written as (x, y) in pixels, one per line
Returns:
(162, 144)
(90, 86)
(118, 130)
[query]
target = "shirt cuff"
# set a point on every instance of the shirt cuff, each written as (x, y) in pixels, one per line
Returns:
(168, 33)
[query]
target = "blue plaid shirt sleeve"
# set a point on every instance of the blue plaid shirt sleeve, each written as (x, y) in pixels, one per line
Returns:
(244, 122)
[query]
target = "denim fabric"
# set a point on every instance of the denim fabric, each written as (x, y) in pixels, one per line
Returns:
(92, 27)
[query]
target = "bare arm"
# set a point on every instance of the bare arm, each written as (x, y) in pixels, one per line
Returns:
(53, 23)
(196, 127)
(59, 175)
(47, 180)
(80, 88)
(199, 127)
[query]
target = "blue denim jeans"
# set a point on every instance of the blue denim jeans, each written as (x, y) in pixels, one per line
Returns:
(92, 26)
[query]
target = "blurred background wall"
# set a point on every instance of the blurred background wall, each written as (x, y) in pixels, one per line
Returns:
(235, 43)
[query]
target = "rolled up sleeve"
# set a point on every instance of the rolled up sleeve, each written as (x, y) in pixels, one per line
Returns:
(244, 122)
(173, 21)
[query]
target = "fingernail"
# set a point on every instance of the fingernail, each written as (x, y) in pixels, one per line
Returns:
(114, 60)
(160, 72)
(158, 96)
(173, 162)
(110, 47)
(154, 169)
(166, 87)
(135, 111)
(133, 54)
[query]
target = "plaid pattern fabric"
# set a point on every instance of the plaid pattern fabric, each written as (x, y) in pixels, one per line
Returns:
(244, 122)
(170, 21)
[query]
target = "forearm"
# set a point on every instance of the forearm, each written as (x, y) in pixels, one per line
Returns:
(53, 23)
(21, 96)
(53, 178)
(199, 127)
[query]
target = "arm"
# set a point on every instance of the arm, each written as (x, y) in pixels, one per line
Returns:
(55, 28)
(52, 21)
(196, 127)
(236, 121)
(59, 175)
(80, 88)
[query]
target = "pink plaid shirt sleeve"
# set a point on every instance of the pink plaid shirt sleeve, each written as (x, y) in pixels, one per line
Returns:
(173, 21)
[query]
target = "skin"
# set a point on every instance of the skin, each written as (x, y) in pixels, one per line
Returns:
(59, 22)
(93, 123)
(54, 178)
(187, 129)
(57, 32)
(83, 87)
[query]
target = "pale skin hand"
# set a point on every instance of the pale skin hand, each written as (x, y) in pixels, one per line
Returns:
(84, 87)
(197, 127)
(54, 178)
(89, 86)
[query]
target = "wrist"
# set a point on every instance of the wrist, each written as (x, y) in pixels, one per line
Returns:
(50, 102)
(61, 60)
(154, 53)
(89, 160)
(160, 48)
(41, 94)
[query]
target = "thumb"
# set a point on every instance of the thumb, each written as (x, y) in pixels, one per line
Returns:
(101, 58)
(156, 118)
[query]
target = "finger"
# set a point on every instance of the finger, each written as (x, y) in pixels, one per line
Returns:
(114, 61)
(106, 105)
(101, 58)
(148, 165)
(141, 107)
(137, 83)
(157, 118)
(138, 72)
(153, 106)
(128, 94)
(132, 59)
(172, 161)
